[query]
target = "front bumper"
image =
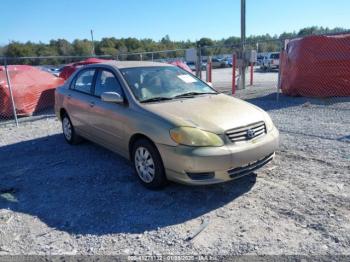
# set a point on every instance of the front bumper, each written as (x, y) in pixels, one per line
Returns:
(225, 163)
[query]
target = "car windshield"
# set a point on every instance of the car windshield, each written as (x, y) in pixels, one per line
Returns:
(163, 83)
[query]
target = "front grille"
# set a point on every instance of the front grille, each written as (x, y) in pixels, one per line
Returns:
(246, 133)
(245, 170)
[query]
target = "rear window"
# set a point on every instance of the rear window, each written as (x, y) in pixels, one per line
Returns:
(275, 56)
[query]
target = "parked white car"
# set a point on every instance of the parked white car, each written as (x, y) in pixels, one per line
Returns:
(270, 61)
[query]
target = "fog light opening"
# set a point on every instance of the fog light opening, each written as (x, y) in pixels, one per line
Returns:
(201, 176)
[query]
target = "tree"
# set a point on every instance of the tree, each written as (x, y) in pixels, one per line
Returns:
(286, 35)
(132, 44)
(205, 42)
(308, 31)
(17, 49)
(166, 42)
(62, 46)
(82, 47)
(231, 41)
(2, 51)
(119, 47)
(107, 46)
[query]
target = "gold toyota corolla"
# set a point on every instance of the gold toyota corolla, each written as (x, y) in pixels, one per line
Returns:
(170, 124)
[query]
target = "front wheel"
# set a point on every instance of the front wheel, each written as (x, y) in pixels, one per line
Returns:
(69, 131)
(148, 165)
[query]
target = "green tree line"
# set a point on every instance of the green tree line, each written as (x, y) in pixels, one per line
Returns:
(118, 48)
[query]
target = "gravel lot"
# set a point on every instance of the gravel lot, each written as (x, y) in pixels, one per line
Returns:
(61, 199)
(222, 78)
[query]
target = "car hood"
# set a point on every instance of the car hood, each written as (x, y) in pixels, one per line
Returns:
(214, 113)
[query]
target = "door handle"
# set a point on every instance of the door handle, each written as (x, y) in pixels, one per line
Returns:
(69, 96)
(92, 104)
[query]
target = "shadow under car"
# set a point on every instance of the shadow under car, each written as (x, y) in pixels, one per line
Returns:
(87, 189)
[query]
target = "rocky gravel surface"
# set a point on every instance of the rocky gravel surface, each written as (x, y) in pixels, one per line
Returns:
(62, 199)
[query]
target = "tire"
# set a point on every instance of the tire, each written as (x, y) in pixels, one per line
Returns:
(148, 165)
(69, 132)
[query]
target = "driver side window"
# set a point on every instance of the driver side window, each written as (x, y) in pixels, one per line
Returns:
(106, 82)
(84, 81)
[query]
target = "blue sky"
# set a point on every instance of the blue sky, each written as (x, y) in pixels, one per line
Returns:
(42, 20)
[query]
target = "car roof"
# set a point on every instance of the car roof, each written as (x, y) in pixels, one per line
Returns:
(132, 64)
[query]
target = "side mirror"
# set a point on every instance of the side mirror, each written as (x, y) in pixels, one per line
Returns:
(112, 97)
(210, 84)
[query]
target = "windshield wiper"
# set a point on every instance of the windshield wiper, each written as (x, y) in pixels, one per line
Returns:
(191, 94)
(156, 99)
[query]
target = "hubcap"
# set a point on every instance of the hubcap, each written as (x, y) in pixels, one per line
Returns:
(144, 165)
(67, 128)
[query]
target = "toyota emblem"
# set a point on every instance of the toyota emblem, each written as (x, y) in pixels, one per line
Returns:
(250, 133)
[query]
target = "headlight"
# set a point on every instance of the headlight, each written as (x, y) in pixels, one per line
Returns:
(191, 136)
(268, 122)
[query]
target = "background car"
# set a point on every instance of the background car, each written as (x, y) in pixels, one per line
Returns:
(56, 71)
(191, 65)
(229, 61)
(271, 61)
(259, 60)
(219, 63)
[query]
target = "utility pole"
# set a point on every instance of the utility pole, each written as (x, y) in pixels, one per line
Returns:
(92, 43)
(243, 39)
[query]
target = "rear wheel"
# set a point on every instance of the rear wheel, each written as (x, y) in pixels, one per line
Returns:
(69, 131)
(148, 164)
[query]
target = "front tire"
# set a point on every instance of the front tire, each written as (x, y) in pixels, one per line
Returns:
(148, 165)
(69, 132)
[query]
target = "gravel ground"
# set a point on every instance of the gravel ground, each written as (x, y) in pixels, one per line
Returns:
(61, 199)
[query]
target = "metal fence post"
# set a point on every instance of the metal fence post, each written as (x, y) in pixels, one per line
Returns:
(200, 62)
(251, 73)
(243, 44)
(8, 79)
(234, 64)
(278, 83)
(209, 70)
(279, 70)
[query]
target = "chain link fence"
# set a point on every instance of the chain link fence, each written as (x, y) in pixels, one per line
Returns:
(27, 83)
(220, 65)
(260, 74)
(157, 56)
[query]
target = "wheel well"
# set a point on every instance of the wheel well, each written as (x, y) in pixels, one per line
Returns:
(62, 113)
(136, 137)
